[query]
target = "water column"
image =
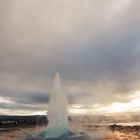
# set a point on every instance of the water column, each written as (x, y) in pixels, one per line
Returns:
(57, 112)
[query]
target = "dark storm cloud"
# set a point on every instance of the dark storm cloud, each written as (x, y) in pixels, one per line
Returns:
(18, 106)
(41, 98)
(25, 97)
(91, 42)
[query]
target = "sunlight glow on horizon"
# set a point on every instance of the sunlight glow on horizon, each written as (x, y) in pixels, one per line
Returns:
(117, 107)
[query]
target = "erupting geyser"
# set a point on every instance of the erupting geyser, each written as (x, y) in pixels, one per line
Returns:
(58, 128)
(57, 112)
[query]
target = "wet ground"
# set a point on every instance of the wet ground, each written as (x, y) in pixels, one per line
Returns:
(113, 132)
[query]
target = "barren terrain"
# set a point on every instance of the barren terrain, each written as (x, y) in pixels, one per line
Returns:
(97, 132)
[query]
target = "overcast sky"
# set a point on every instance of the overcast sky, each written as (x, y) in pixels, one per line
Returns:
(93, 44)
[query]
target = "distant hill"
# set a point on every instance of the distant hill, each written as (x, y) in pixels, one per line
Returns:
(23, 120)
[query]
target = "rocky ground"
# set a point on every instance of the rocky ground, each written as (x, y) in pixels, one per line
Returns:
(112, 132)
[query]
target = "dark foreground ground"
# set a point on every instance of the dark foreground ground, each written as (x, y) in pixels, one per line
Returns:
(15, 127)
(111, 132)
